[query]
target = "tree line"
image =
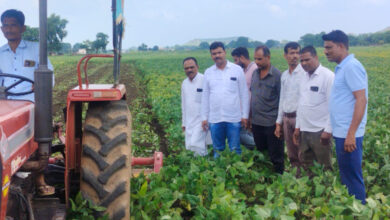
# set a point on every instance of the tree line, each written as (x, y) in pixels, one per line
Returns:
(315, 40)
(56, 32)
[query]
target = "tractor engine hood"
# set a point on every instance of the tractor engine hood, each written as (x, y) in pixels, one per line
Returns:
(16, 127)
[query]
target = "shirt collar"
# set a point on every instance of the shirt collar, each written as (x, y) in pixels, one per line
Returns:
(6, 47)
(228, 65)
(22, 44)
(317, 71)
(270, 72)
(249, 66)
(298, 69)
(194, 79)
(345, 60)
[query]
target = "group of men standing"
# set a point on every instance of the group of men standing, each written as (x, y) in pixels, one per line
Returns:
(254, 104)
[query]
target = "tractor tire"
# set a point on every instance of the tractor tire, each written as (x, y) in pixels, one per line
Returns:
(106, 158)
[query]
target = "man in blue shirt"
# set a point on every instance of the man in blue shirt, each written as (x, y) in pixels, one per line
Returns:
(21, 58)
(18, 57)
(348, 111)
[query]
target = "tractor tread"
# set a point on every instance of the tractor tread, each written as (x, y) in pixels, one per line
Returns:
(106, 157)
(97, 133)
(119, 214)
(115, 142)
(92, 181)
(113, 122)
(95, 157)
(119, 190)
(107, 173)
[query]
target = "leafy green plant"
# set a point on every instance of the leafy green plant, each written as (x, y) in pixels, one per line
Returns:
(82, 209)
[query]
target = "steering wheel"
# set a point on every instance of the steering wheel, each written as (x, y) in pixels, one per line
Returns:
(21, 79)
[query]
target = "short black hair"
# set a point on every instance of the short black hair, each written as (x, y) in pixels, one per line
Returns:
(13, 13)
(309, 49)
(265, 50)
(337, 36)
(291, 45)
(241, 51)
(217, 44)
(190, 58)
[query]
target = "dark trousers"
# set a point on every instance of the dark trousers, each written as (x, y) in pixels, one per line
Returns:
(266, 140)
(350, 165)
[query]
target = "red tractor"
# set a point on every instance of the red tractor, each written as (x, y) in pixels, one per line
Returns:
(97, 149)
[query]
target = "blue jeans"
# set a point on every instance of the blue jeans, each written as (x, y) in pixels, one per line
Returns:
(350, 165)
(219, 132)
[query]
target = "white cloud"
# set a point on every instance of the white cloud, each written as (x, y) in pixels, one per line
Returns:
(306, 3)
(275, 10)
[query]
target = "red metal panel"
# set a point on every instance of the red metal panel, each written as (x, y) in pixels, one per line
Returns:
(156, 161)
(13, 163)
(97, 92)
(69, 146)
(86, 59)
(14, 115)
(142, 161)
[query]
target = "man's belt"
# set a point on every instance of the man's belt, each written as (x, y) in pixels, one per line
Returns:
(290, 114)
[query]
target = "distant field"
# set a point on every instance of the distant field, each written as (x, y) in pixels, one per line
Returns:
(234, 187)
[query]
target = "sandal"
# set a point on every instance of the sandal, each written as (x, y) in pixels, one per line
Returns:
(46, 190)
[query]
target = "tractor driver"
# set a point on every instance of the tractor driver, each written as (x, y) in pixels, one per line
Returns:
(20, 57)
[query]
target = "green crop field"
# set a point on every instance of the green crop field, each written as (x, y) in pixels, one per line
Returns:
(234, 187)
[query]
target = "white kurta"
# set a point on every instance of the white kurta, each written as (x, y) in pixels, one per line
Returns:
(191, 94)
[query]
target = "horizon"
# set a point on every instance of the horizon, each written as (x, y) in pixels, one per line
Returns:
(177, 23)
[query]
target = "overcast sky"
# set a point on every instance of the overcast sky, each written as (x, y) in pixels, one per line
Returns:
(170, 22)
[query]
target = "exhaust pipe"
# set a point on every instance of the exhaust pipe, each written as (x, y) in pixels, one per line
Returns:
(43, 83)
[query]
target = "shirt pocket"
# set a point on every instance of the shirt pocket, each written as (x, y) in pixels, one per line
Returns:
(28, 66)
(268, 91)
(233, 84)
(317, 95)
(198, 95)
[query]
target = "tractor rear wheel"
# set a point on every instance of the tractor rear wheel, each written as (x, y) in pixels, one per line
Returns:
(106, 157)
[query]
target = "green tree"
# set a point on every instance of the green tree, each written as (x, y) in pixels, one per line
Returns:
(254, 44)
(242, 42)
(100, 43)
(204, 45)
(312, 39)
(76, 47)
(272, 43)
(66, 48)
(55, 32)
(31, 34)
(143, 47)
(155, 48)
(87, 44)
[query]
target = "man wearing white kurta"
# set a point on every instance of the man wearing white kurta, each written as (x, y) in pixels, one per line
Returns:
(196, 139)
